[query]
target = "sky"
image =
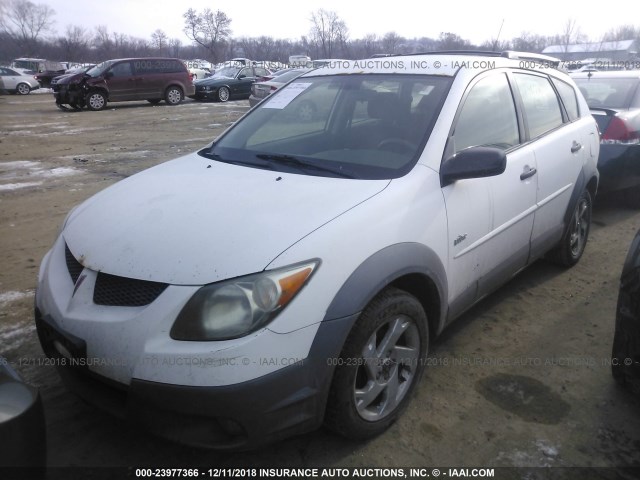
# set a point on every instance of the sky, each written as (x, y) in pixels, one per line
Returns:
(476, 21)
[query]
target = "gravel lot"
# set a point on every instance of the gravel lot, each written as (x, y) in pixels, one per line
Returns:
(521, 380)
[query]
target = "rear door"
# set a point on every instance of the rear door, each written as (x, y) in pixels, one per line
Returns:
(559, 144)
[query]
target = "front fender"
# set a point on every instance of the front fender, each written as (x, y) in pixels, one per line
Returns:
(384, 268)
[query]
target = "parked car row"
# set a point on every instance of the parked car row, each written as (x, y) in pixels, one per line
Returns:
(151, 79)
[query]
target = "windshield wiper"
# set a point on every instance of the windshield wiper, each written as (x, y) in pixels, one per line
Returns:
(296, 162)
(249, 163)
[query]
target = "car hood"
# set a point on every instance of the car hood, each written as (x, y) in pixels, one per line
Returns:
(194, 221)
(70, 78)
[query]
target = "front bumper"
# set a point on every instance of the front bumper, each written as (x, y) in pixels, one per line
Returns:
(236, 393)
(206, 94)
(66, 95)
(286, 402)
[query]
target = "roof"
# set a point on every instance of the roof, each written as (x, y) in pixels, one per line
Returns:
(607, 74)
(447, 63)
(617, 46)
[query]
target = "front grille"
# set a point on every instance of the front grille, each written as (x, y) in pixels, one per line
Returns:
(74, 266)
(125, 292)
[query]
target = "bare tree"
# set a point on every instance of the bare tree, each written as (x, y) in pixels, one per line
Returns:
(175, 45)
(159, 41)
(570, 34)
(452, 41)
(528, 42)
(102, 44)
(26, 23)
(74, 44)
(391, 41)
(327, 32)
(208, 29)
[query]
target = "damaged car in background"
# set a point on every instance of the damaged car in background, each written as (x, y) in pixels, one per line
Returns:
(151, 79)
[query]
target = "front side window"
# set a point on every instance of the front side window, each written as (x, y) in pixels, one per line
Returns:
(100, 68)
(368, 126)
(122, 70)
(540, 103)
(488, 116)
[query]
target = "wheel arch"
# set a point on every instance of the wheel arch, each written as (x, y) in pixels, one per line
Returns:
(102, 90)
(177, 85)
(584, 181)
(412, 267)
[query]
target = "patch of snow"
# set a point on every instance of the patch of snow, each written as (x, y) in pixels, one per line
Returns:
(16, 186)
(12, 296)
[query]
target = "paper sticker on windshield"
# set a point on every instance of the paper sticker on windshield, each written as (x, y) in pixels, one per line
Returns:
(285, 97)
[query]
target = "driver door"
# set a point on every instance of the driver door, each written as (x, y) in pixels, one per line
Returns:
(490, 219)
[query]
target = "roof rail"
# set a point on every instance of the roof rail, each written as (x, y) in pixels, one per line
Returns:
(531, 56)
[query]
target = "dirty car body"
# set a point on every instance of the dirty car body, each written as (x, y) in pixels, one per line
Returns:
(345, 244)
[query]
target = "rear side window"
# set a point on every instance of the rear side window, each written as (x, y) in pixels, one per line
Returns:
(488, 116)
(569, 99)
(541, 107)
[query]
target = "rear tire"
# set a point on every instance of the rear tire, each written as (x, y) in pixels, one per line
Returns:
(173, 96)
(381, 363)
(23, 89)
(570, 249)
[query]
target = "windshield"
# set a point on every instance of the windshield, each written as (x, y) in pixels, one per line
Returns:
(227, 72)
(360, 126)
(100, 68)
(608, 92)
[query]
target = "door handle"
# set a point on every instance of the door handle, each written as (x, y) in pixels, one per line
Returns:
(575, 147)
(528, 172)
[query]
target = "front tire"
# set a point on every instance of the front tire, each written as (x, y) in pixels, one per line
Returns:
(23, 89)
(96, 101)
(223, 94)
(570, 249)
(381, 363)
(174, 96)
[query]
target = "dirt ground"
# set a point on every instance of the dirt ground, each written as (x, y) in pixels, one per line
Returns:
(521, 380)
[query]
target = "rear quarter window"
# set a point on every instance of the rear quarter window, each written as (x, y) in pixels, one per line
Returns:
(568, 97)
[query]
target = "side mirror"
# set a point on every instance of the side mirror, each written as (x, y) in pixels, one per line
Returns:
(474, 162)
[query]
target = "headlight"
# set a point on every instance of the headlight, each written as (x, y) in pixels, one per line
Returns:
(237, 307)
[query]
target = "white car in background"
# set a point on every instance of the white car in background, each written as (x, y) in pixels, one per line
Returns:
(293, 272)
(14, 81)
